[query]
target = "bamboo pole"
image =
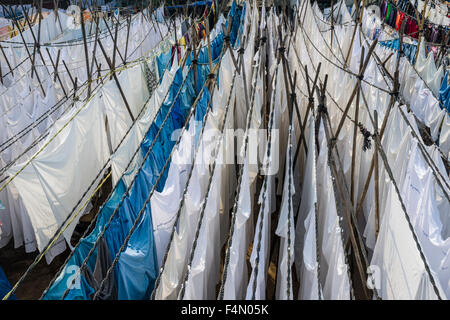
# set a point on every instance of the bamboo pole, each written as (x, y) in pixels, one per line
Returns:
(377, 197)
(355, 132)
(112, 68)
(422, 21)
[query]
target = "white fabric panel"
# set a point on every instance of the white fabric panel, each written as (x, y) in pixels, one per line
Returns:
(286, 227)
(419, 196)
(52, 184)
(202, 278)
(132, 82)
(165, 204)
(333, 269)
(444, 138)
(237, 274)
(305, 234)
(402, 273)
(181, 244)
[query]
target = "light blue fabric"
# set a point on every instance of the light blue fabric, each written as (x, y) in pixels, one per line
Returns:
(409, 50)
(444, 93)
(161, 62)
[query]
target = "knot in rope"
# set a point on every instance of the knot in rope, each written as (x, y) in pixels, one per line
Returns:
(322, 109)
(367, 135)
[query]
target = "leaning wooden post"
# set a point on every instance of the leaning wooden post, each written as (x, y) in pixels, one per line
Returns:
(332, 25)
(68, 72)
(112, 38)
(115, 46)
(338, 187)
(356, 88)
(393, 98)
(377, 197)
(95, 46)
(308, 108)
(128, 37)
(28, 51)
(209, 45)
(86, 54)
(355, 132)
(11, 70)
(37, 45)
(113, 71)
(36, 41)
(55, 68)
(422, 21)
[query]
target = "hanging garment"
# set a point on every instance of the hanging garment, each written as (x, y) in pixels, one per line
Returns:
(306, 263)
(334, 269)
(286, 227)
(420, 193)
(165, 204)
(401, 270)
(47, 185)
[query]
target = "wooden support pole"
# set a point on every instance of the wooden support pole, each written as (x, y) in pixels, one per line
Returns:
(110, 34)
(356, 88)
(308, 108)
(209, 46)
(422, 21)
(386, 116)
(94, 52)
(355, 132)
(128, 37)
(345, 201)
(111, 67)
(68, 72)
(86, 54)
(332, 25)
(377, 196)
(1, 74)
(27, 50)
(11, 70)
(115, 47)
(55, 68)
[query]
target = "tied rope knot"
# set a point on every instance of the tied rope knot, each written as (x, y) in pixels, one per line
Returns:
(395, 94)
(322, 109)
(367, 135)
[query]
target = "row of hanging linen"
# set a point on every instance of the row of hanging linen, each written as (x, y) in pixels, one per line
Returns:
(41, 109)
(394, 12)
(147, 178)
(190, 268)
(28, 222)
(424, 86)
(413, 215)
(374, 29)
